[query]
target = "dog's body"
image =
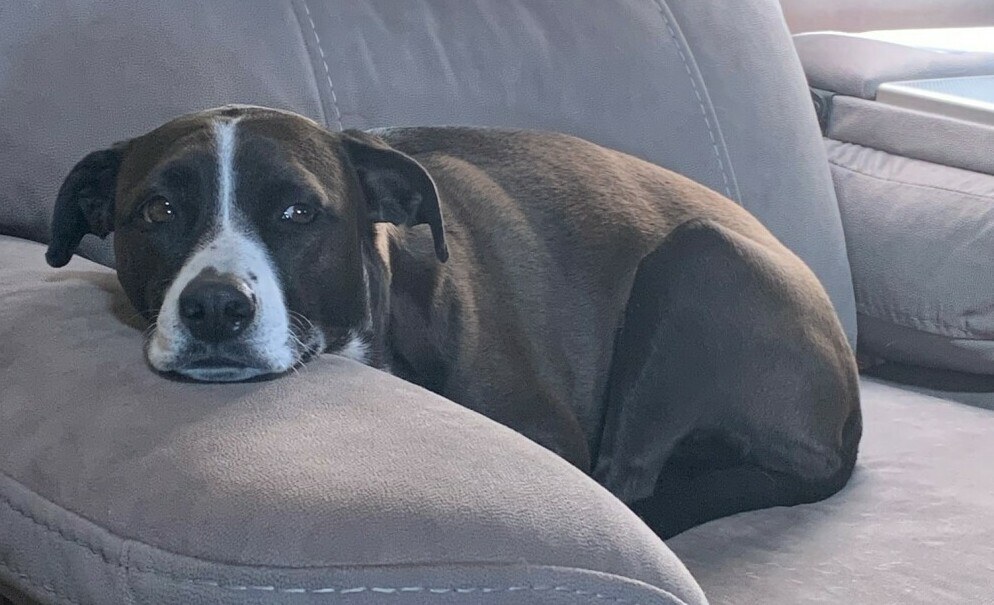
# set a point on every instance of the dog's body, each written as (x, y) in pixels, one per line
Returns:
(580, 300)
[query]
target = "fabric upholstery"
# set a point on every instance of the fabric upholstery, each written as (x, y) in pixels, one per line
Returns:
(856, 65)
(914, 526)
(971, 389)
(912, 134)
(863, 15)
(642, 76)
(76, 77)
(975, 38)
(117, 484)
(919, 240)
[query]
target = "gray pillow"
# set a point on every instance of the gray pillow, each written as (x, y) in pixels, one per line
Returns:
(118, 486)
(921, 245)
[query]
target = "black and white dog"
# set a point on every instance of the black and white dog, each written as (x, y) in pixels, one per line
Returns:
(643, 327)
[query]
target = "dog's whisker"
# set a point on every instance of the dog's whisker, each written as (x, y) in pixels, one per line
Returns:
(150, 330)
(300, 322)
(139, 314)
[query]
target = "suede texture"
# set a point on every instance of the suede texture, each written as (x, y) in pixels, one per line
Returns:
(912, 134)
(915, 525)
(921, 299)
(855, 65)
(116, 483)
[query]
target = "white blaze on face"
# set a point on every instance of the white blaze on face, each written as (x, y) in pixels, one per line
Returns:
(230, 248)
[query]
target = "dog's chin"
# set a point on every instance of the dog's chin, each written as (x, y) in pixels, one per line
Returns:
(218, 369)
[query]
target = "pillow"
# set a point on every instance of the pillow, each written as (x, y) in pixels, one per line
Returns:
(921, 245)
(119, 486)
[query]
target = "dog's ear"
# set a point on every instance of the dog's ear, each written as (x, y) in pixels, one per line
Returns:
(85, 203)
(397, 188)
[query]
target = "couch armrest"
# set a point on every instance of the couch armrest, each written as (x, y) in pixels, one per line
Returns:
(862, 15)
(117, 485)
(856, 65)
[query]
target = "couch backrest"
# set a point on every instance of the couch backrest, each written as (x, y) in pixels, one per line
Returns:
(710, 89)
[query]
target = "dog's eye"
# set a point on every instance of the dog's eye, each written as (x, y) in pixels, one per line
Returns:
(158, 210)
(298, 213)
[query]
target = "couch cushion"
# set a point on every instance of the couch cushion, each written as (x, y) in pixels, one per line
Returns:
(117, 485)
(644, 77)
(921, 246)
(915, 525)
(912, 134)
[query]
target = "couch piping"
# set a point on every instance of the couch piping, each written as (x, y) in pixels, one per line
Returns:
(697, 92)
(591, 596)
(437, 590)
(400, 590)
(838, 164)
(38, 585)
(55, 530)
(324, 62)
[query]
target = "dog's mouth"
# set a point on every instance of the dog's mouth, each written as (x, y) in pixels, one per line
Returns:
(220, 370)
(214, 363)
(212, 366)
(237, 362)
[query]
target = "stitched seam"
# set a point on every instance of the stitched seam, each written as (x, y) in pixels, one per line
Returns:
(17, 573)
(697, 93)
(400, 590)
(981, 196)
(126, 564)
(324, 62)
(913, 322)
(55, 530)
(420, 590)
(907, 320)
(395, 589)
(295, 6)
(292, 589)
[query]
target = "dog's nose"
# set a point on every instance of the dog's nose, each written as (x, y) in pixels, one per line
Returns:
(216, 307)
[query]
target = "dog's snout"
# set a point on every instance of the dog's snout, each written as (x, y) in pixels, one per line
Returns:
(216, 308)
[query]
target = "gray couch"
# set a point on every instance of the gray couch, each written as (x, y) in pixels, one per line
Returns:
(343, 484)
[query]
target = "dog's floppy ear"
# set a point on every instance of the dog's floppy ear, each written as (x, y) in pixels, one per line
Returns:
(397, 188)
(85, 203)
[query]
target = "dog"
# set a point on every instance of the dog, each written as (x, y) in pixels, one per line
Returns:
(641, 326)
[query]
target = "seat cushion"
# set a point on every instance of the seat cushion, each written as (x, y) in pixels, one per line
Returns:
(914, 525)
(117, 485)
(921, 247)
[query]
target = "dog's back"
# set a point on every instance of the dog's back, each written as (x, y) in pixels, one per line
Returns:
(545, 232)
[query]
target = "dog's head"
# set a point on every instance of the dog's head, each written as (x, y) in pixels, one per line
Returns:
(247, 235)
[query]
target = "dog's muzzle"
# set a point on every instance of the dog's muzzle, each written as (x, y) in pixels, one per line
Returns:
(224, 318)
